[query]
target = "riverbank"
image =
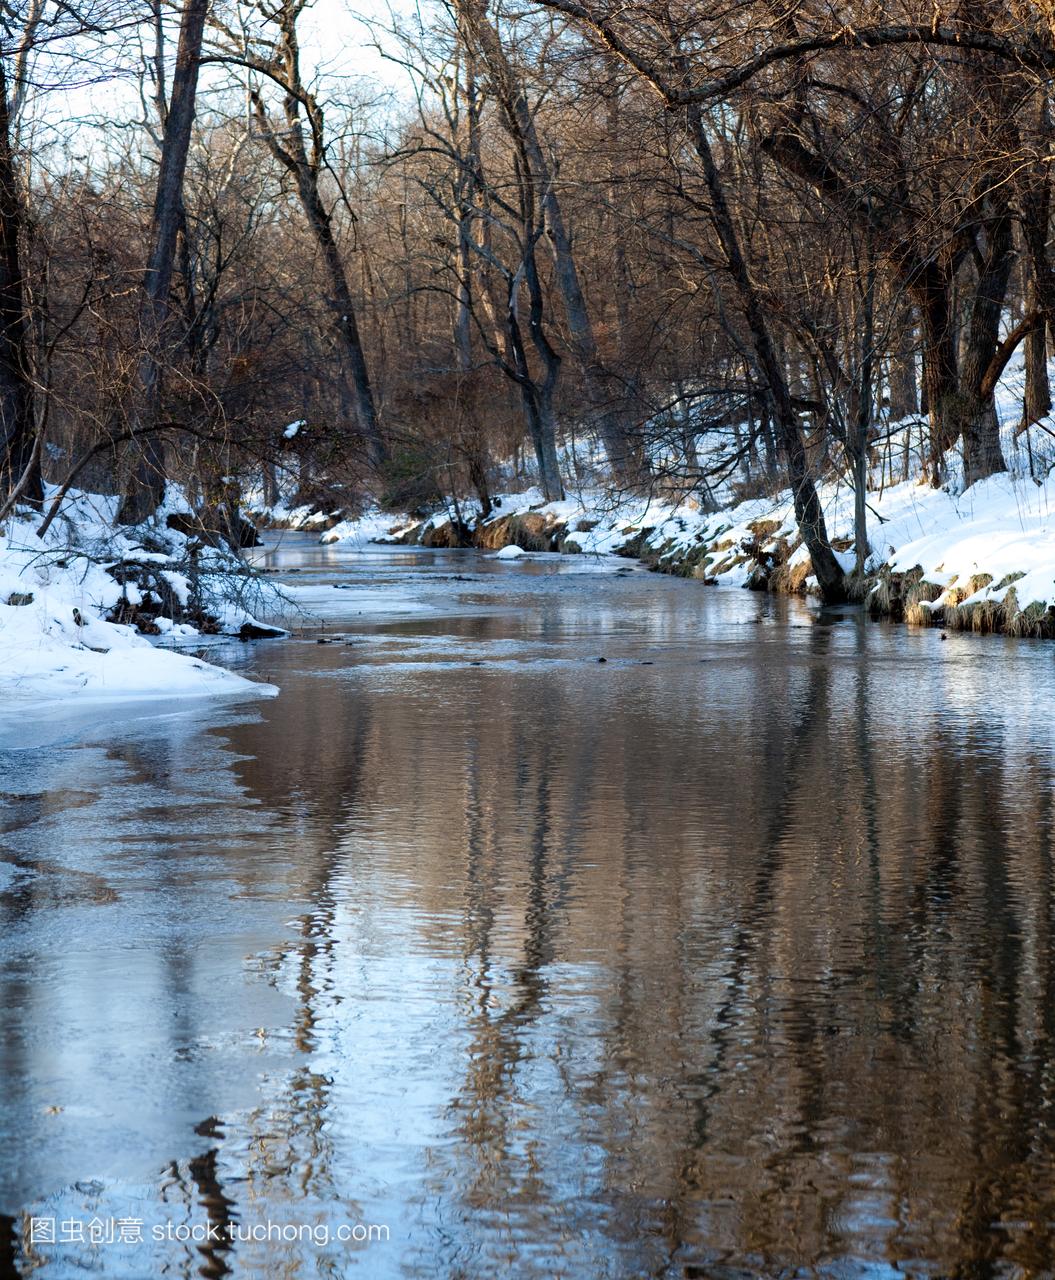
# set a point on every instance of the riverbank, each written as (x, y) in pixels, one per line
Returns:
(77, 608)
(981, 560)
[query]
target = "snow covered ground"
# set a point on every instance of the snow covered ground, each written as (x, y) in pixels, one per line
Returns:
(55, 595)
(374, 526)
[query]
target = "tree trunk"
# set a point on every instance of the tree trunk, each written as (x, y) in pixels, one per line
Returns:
(1037, 400)
(291, 151)
(146, 487)
(270, 477)
(468, 194)
(1036, 214)
(17, 426)
(607, 401)
(982, 455)
(538, 402)
(546, 449)
(345, 322)
(478, 479)
(931, 291)
(808, 514)
(1034, 202)
(538, 411)
(861, 426)
(980, 426)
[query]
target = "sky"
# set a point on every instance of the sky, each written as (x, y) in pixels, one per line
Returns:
(82, 106)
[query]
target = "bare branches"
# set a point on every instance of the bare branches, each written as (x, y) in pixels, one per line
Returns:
(1028, 53)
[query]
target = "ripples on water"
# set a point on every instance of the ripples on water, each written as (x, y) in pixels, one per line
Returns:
(729, 956)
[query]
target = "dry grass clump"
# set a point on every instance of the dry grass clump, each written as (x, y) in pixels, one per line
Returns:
(956, 595)
(882, 595)
(708, 560)
(958, 612)
(1036, 619)
(763, 529)
(910, 597)
(917, 597)
(725, 564)
(670, 557)
(899, 595)
(697, 563)
(788, 577)
(982, 616)
(452, 533)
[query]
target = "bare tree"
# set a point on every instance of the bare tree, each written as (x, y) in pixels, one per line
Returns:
(146, 486)
(19, 450)
(611, 410)
(299, 144)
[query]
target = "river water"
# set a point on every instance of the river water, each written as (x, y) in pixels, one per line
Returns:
(729, 956)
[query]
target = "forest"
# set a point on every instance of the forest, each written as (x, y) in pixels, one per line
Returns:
(723, 247)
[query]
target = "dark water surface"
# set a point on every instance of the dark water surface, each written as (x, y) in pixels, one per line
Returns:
(730, 956)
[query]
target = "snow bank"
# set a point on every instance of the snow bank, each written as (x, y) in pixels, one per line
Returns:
(44, 658)
(998, 526)
(282, 516)
(373, 526)
(55, 595)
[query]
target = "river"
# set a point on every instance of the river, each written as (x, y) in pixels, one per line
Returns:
(471, 955)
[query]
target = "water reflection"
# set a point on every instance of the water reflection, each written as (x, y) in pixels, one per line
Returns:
(735, 963)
